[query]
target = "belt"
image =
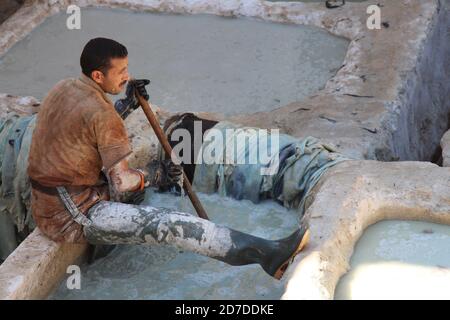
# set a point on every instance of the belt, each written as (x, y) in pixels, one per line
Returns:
(63, 193)
(72, 208)
(52, 190)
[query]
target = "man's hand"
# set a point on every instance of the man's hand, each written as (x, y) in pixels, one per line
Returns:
(139, 86)
(174, 172)
(164, 174)
(125, 106)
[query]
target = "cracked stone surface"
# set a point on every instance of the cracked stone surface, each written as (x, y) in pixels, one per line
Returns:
(377, 106)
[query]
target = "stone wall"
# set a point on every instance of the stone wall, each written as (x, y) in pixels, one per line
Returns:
(389, 101)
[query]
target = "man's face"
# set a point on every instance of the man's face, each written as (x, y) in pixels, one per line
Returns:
(113, 82)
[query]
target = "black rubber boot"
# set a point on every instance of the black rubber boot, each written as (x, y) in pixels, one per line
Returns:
(273, 256)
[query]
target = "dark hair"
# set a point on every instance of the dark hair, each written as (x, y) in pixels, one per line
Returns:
(97, 55)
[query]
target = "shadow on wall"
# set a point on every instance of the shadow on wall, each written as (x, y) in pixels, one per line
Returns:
(8, 7)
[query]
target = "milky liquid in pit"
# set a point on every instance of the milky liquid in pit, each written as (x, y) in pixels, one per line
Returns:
(162, 272)
(195, 62)
(321, 1)
(399, 260)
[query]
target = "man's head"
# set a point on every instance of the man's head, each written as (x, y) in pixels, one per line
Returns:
(106, 62)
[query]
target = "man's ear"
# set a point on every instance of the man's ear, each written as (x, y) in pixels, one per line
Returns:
(97, 76)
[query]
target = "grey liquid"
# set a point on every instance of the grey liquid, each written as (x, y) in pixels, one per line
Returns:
(317, 1)
(323, 1)
(399, 260)
(162, 272)
(195, 62)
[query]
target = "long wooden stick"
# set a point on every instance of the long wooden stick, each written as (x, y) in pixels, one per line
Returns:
(168, 149)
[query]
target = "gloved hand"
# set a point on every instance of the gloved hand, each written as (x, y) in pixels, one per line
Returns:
(125, 106)
(139, 85)
(164, 174)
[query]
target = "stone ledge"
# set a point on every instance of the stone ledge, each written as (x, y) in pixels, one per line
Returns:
(349, 198)
(36, 267)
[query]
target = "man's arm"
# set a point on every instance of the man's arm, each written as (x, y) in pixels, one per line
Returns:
(161, 174)
(124, 179)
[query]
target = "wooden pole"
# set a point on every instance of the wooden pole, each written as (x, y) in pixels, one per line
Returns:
(168, 149)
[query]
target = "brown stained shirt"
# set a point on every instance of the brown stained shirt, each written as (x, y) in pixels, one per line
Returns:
(78, 132)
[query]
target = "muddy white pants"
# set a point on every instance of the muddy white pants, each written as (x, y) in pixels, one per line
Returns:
(119, 223)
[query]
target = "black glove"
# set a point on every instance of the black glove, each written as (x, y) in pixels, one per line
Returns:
(332, 6)
(164, 174)
(125, 106)
(139, 85)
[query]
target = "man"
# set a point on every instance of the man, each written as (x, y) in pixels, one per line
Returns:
(77, 163)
